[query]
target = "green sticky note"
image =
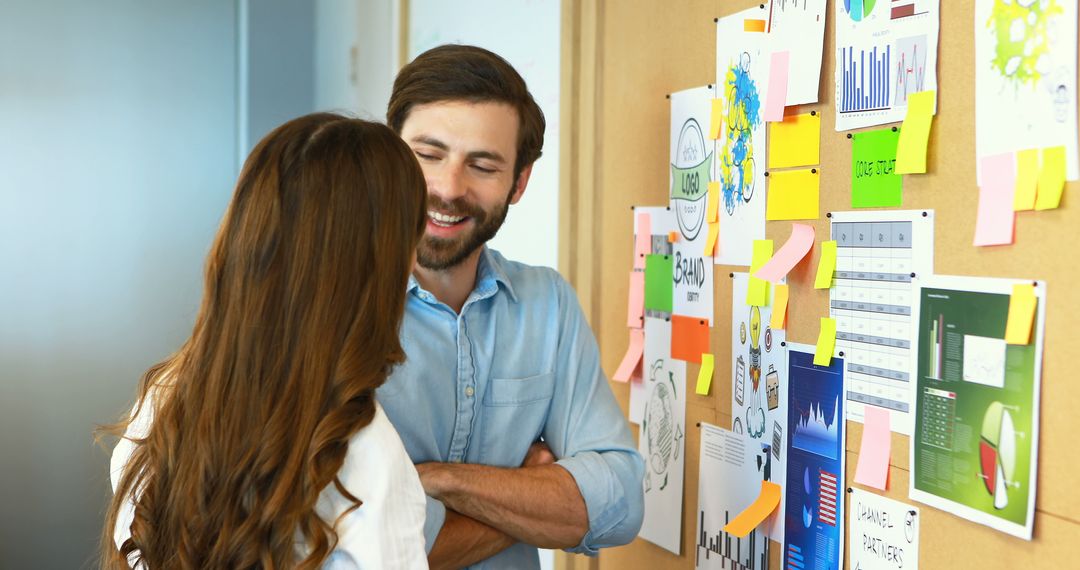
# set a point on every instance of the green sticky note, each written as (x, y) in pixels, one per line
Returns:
(874, 181)
(659, 285)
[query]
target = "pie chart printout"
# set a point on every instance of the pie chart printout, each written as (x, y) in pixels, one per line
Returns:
(859, 9)
(997, 453)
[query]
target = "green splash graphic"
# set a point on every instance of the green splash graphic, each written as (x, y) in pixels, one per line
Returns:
(1022, 37)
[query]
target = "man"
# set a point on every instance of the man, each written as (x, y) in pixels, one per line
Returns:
(499, 354)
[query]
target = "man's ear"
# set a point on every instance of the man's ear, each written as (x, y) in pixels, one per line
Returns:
(520, 184)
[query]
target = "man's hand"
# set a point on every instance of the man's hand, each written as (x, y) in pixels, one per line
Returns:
(539, 454)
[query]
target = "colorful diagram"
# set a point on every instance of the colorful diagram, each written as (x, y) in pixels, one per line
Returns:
(858, 10)
(1022, 34)
(997, 453)
(815, 431)
(743, 115)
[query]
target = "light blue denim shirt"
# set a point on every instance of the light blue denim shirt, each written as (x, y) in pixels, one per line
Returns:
(519, 363)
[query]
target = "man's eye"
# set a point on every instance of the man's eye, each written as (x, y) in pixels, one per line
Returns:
(426, 156)
(484, 169)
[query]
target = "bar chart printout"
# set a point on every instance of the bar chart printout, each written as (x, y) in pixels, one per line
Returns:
(865, 85)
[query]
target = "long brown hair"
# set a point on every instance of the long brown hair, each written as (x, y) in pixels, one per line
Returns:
(305, 292)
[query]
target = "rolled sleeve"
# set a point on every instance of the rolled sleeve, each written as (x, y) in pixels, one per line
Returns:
(604, 480)
(433, 521)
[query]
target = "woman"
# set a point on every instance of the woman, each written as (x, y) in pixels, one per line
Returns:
(259, 444)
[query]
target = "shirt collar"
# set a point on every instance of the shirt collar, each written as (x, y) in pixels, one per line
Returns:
(489, 275)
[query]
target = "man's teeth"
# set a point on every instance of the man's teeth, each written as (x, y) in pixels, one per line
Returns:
(443, 218)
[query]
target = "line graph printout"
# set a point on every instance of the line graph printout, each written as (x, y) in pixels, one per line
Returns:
(798, 27)
(885, 51)
(871, 300)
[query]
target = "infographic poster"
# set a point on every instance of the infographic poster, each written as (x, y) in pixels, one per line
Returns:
(759, 398)
(814, 494)
(974, 451)
(885, 51)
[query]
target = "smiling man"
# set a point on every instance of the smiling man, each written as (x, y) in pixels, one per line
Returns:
(502, 403)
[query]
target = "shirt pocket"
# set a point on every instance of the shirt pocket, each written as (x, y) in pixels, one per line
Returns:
(520, 391)
(514, 414)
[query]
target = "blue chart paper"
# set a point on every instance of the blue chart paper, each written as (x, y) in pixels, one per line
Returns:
(814, 510)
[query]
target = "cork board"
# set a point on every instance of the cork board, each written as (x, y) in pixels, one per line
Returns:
(620, 59)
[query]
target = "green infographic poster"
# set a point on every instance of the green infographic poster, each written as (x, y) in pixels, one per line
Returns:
(974, 451)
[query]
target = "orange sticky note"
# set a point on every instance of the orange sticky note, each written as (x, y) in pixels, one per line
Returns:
(757, 292)
(643, 241)
(753, 25)
(795, 141)
(704, 378)
(915, 133)
(689, 338)
(712, 239)
(635, 311)
(826, 265)
(1021, 314)
(632, 360)
(876, 448)
(779, 308)
(672, 237)
(826, 342)
(1051, 178)
(763, 506)
(716, 120)
(1027, 179)
(713, 202)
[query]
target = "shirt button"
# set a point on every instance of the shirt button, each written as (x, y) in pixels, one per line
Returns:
(469, 391)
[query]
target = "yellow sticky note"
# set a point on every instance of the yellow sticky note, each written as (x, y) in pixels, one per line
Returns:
(1021, 314)
(1027, 176)
(716, 119)
(779, 308)
(792, 195)
(826, 265)
(713, 201)
(757, 293)
(704, 377)
(1051, 178)
(710, 241)
(826, 342)
(763, 506)
(915, 133)
(750, 25)
(795, 141)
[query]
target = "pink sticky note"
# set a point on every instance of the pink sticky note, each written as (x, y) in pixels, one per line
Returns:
(876, 448)
(996, 217)
(643, 243)
(635, 312)
(792, 252)
(632, 360)
(776, 98)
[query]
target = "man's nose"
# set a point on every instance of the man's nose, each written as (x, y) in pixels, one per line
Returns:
(449, 183)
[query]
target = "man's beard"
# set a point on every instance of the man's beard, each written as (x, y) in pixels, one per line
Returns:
(438, 254)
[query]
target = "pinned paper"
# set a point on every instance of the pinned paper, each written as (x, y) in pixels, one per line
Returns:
(1027, 179)
(826, 342)
(704, 378)
(1051, 178)
(659, 286)
(793, 195)
(915, 133)
(757, 293)
(874, 181)
(791, 253)
(753, 25)
(826, 265)
(1021, 314)
(643, 241)
(876, 448)
(635, 312)
(776, 97)
(632, 360)
(713, 201)
(779, 309)
(716, 119)
(757, 512)
(996, 218)
(712, 239)
(795, 141)
(689, 338)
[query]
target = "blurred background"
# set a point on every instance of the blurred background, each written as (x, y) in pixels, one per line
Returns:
(123, 125)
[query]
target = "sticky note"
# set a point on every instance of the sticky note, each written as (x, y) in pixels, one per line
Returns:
(763, 506)
(659, 284)
(795, 141)
(996, 218)
(750, 25)
(757, 292)
(712, 239)
(826, 342)
(776, 97)
(643, 241)
(915, 133)
(632, 359)
(874, 181)
(1051, 178)
(790, 254)
(1027, 179)
(1021, 314)
(672, 237)
(635, 312)
(716, 118)
(779, 308)
(826, 265)
(876, 448)
(792, 195)
(713, 201)
(689, 338)
(704, 377)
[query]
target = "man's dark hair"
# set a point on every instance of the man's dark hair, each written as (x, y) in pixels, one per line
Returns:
(475, 75)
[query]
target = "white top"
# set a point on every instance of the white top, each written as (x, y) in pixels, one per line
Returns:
(387, 531)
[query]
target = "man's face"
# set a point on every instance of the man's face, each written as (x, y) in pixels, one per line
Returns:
(467, 153)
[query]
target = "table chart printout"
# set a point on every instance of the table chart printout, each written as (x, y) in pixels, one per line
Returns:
(878, 254)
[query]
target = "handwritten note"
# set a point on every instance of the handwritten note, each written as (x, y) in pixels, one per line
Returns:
(1022, 305)
(826, 342)
(795, 141)
(915, 133)
(996, 218)
(874, 181)
(635, 311)
(790, 254)
(1027, 179)
(793, 195)
(643, 239)
(884, 534)
(779, 310)
(763, 506)
(876, 448)
(632, 359)
(659, 282)
(689, 338)
(704, 378)
(757, 293)
(1051, 178)
(826, 265)
(776, 97)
